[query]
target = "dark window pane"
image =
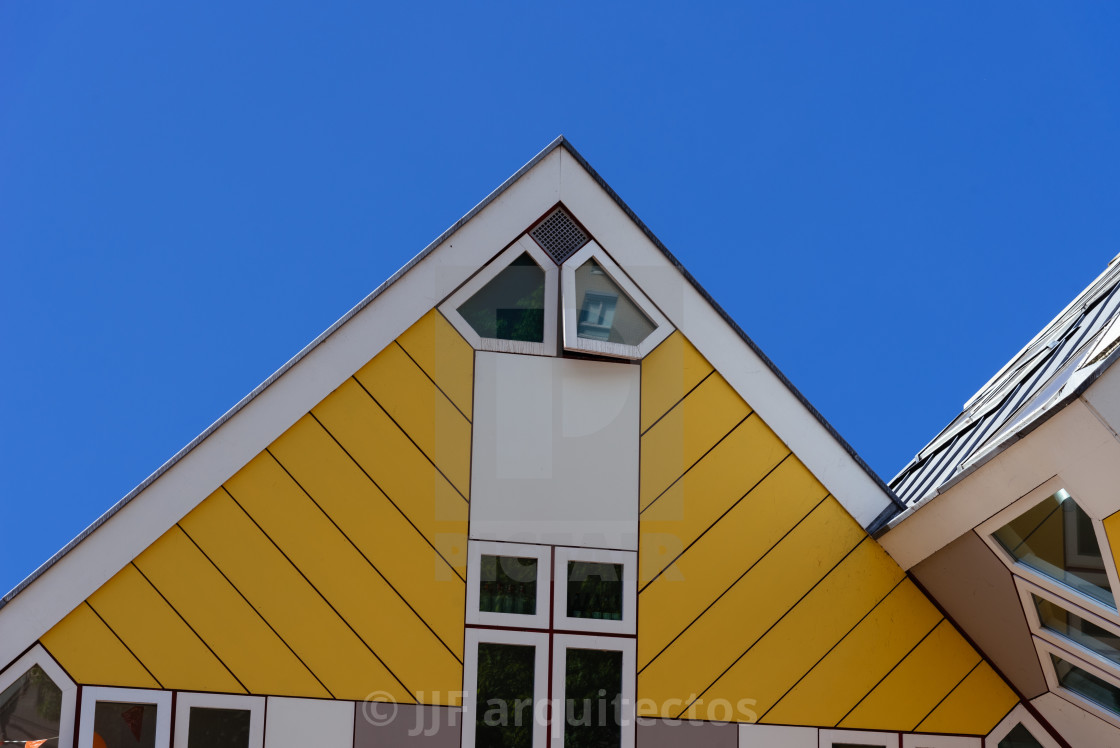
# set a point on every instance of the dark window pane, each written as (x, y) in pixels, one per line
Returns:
(511, 305)
(504, 711)
(1088, 685)
(1019, 737)
(30, 708)
(125, 725)
(594, 590)
(593, 693)
(508, 585)
(605, 311)
(218, 728)
(1056, 538)
(1077, 629)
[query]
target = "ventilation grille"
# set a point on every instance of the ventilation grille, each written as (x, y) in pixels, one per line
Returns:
(559, 236)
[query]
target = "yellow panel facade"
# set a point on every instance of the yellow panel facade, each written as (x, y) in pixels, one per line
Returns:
(726, 474)
(158, 637)
(331, 565)
(686, 432)
(755, 584)
(346, 579)
(832, 687)
(917, 684)
(1112, 530)
(216, 610)
(975, 706)
(422, 411)
(444, 356)
(669, 373)
(91, 653)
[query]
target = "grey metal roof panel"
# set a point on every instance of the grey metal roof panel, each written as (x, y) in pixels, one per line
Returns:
(1039, 378)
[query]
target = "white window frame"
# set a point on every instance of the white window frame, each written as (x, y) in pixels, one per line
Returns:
(476, 549)
(1013, 718)
(629, 561)
(38, 656)
(989, 527)
(524, 245)
(1027, 589)
(474, 637)
(561, 643)
(92, 695)
(572, 342)
(185, 701)
(1045, 649)
(924, 740)
(829, 738)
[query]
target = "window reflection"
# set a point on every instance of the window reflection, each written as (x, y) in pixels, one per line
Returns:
(1075, 628)
(605, 312)
(30, 708)
(511, 305)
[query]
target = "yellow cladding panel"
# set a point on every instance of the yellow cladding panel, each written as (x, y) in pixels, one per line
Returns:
(669, 372)
(686, 432)
(92, 654)
(347, 580)
(697, 500)
(387, 456)
(914, 688)
(375, 525)
(811, 629)
(735, 621)
(859, 661)
(292, 607)
(444, 356)
(710, 566)
(223, 619)
(158, 636)
(974, 707)
(422, 411)
(1112, 530)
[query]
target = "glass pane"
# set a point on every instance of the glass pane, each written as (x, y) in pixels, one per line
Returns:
(124, 725)
(1088, 685)
(30, 708)
(511, 305)
(593, 693)
(508, 585)
(1019, 737)
(218, 728)
(1056, 538)
(605, 312)
(1077, 629)
(594, 590)
(504, 712)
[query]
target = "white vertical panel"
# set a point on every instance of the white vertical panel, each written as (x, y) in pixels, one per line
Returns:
(299, 723)
(777, 736)
(555, 453)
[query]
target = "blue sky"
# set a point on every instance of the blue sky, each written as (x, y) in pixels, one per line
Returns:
(890, 198)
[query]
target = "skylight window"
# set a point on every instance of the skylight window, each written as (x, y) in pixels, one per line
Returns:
(1058, 540)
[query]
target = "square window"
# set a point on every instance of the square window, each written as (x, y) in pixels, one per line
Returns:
(125, 718)
(598, 592)
(508, 584)
(204, 720)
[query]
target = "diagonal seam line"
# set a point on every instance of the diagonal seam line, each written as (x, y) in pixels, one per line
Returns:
(188, 625)
(364, 556)
(732, 585)
(699, 459)
(892, 669)
(678, 402)
(865, 538)
(254, 609)
(387, 497)
(407, 436)
(317, 592)
(840, 641)
(123, 644)
(432, 380)
(716, 521)
(948, 693)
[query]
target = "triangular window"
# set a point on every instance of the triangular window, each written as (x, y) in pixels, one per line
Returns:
(1019, 737)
